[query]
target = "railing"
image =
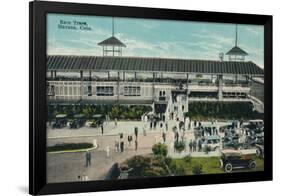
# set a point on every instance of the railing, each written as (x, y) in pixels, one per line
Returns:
(216, 99)
(172, 81)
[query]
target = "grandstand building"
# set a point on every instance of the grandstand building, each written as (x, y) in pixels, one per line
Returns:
(113, 78)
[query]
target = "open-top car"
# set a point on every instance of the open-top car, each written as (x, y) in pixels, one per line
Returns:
(78, 121)
(255, 124)
(234, 159)
(98, 120)
(213, 142)
(60, 121)
(260, 151)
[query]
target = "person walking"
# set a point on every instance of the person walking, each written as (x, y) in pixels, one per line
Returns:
(164, 136)
(136, 131)
(136, 144)
(145, 118)
(200, 145)
(194, 145)
(122, 146)
(144, 130)
(154, 123)
(190, 146)
(166, 126)
(177, 136)
(115, 120)
(186, 145)
(107, 150)
(130, 138)
(83, 178)
(101, 128)
(116, 146)
(88, 157)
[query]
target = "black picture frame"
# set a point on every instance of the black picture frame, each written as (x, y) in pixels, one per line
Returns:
(37, 99)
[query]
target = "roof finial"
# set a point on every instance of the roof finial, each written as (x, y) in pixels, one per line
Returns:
(236, 36)
(112, 26)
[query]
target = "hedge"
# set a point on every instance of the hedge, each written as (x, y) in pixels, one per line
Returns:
(69, 146)
(222, 110)
(126, 112)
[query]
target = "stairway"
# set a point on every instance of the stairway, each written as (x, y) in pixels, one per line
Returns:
(178, 106)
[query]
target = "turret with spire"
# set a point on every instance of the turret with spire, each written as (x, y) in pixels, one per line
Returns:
(236, 53)
(112, 46)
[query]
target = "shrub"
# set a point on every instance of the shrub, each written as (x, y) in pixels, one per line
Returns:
(197, 169)
(143, 166)
(207, 149)
(139, 165)
(155, 171)
(187, 159)
(130, 112)
(179, 146)
(177, 168)
(219, 110)
(160, 150)
(168, 160)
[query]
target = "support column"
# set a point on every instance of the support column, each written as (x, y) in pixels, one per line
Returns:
(113, 50)
(108, 75)
(247, 79)
(81, 75)
(220, 94)
(118, 84)
(187, 83)
(250, 83)
(81, 85)
(55, 72)
(52, 74)
(90, 75)
(123, 76)
(135, 76)
(153, 87)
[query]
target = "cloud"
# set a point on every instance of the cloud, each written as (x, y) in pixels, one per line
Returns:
(205, 45)
(253, 30)
(213, 37)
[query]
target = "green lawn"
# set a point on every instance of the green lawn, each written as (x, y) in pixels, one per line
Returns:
(210, 165)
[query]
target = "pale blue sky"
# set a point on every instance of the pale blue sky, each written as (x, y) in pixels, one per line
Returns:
(154, 38)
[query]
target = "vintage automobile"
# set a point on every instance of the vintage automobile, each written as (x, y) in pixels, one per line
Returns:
(260, 151)
(255, 124)
(60, 121)
(230, 142)
(97, 120)
(233, 159)
(78, 121)
(213, 142)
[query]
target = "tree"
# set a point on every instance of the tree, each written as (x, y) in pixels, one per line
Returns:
(115, 112)
(139, 164)
(160, 150)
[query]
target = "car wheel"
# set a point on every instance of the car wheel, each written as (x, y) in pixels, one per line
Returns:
(221, 163)
(258, 152)
(228, 168)
(252, 165)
